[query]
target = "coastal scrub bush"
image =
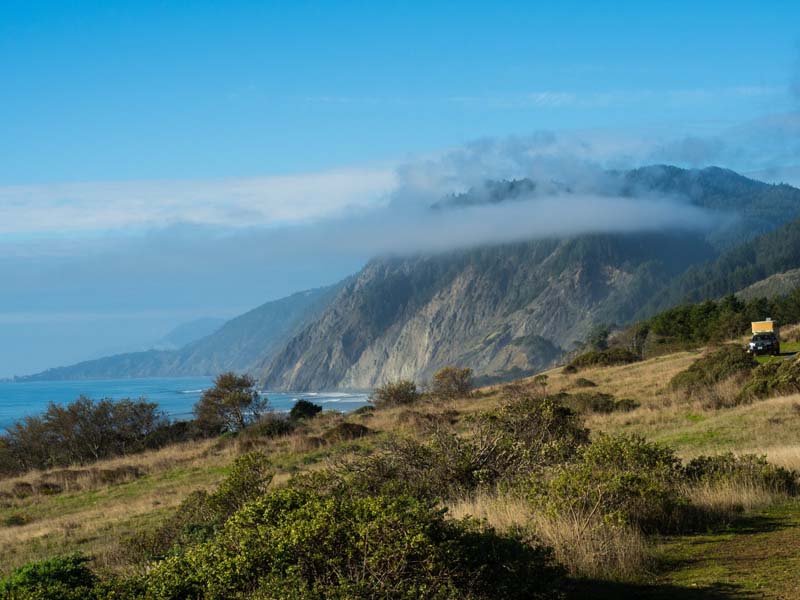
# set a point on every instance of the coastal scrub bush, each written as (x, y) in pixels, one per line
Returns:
(741, 470)
(531, 431)
(299, 544)
(395, 393)
(345, 431)
(61, 578)
(597, 402)
(583, 382)
(270, 426)
(450, 383)
(528, 434)
(603, 358)
(303, 409)
(618, 479)
(364, 411)
(773, 379)
(720, 364)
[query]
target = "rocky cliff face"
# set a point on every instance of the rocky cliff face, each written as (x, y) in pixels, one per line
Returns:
(513, 309)
(504, 311)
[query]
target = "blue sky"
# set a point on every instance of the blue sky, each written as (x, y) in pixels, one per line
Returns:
(154, 155)
(132, 90)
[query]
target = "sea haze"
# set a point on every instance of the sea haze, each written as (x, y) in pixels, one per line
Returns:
(175, 395)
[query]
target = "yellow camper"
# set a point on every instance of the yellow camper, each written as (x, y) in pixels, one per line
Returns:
(768, 326)
(765, 339)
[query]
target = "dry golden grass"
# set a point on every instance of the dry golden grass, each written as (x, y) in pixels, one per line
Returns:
(594, 549)
(728, 498)
(784, 456)
(586, 547)
(92, 517)
(644, 381)
(504, 512)
(85, 478)
(692, 428)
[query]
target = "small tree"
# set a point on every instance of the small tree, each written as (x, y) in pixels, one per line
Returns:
(303, 409)
(231, 405)
(452, 382)
(598, 337)
(395, 393)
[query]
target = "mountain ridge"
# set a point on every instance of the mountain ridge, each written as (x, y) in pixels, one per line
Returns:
(505, 310)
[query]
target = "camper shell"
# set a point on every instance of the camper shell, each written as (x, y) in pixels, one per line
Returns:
(766, 338)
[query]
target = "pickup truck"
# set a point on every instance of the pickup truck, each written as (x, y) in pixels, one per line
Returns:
(764, 343)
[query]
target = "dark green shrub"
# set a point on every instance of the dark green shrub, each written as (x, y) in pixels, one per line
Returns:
(569, 369)
(583, 382)
(716, 366)
(743, 469)
(398, 466)
(626, 405)
(248, 479)
(63, 578)
(270, 426)
(297, 544)
(604, 358)
(532, 431)
(597, 402)
(22, 489)
(450, 383)
(773, 379)
(173, 432)
(395, 393)
(303, 409)
(48, 488)
(346, 431)
(17, 520)
(619, 479)
(364, 410)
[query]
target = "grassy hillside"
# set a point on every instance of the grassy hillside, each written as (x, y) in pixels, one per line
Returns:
(105, 504)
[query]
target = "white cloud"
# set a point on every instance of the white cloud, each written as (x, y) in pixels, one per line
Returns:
(84, 207)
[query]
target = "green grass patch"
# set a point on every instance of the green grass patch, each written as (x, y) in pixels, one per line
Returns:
(753, 555)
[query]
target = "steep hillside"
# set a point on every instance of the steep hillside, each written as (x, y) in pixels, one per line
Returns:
(241, 344)
(769, 254)
(513, 309)
(779, 284)
(504, 311)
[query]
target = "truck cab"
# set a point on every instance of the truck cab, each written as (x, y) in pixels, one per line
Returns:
(765, 338)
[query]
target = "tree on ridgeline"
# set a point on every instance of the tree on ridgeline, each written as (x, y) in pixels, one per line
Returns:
(231, 405)
(395, 393)
(450, 383)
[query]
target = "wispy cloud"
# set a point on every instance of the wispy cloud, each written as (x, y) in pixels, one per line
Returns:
(85, 207)
(561, 98)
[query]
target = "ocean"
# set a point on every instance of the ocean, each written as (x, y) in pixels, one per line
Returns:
(174, 395)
